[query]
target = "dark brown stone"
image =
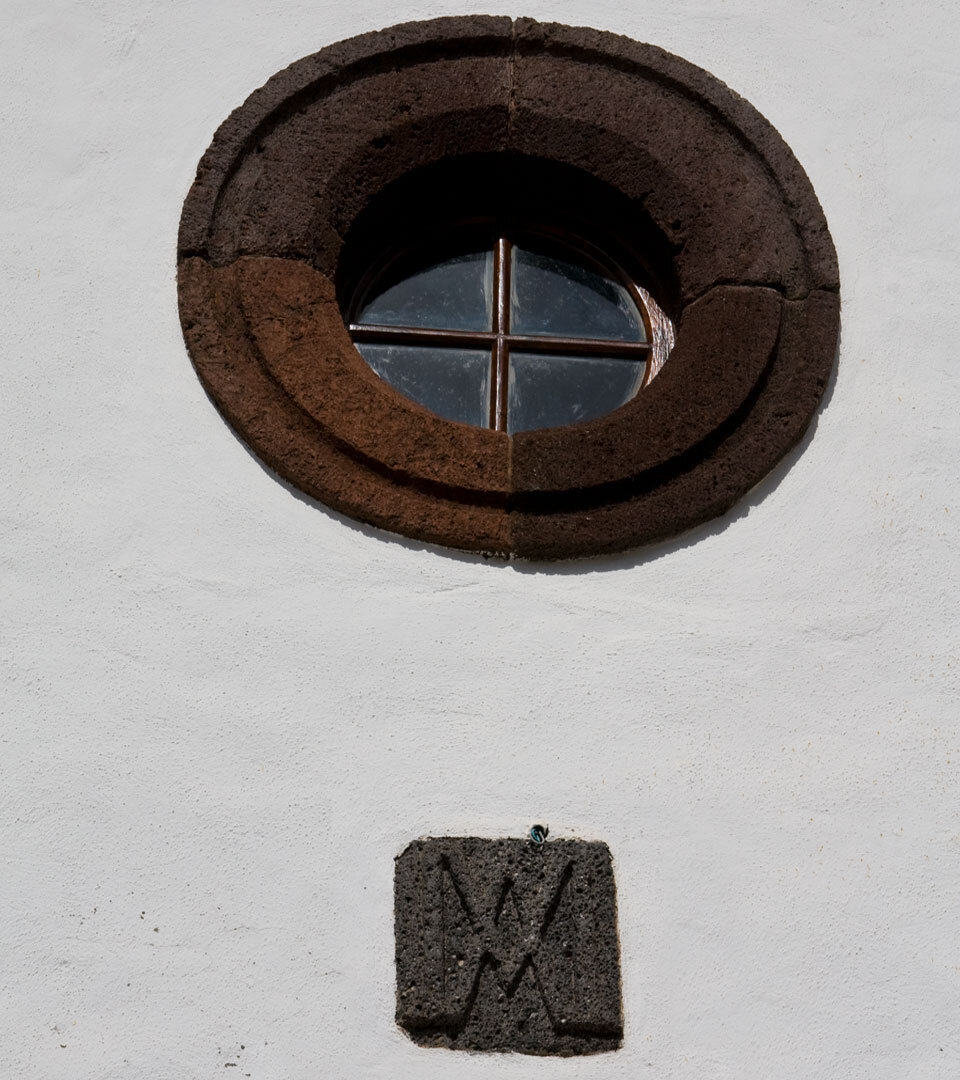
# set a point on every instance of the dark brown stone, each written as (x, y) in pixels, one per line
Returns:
(504, 945)
(754, 219)
(711, 482)
(229, 170)
(647, 150)
(318, 170)
(724, 344)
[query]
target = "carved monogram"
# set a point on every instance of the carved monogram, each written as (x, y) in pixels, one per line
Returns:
(504, 946)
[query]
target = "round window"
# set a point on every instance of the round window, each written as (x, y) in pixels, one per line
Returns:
(512, 330)
(384, 288)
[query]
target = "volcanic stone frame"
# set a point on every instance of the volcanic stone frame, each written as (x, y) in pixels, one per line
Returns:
(507, 945)
(737, 243)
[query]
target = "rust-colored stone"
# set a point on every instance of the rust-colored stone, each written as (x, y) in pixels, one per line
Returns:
(290, 442)
(291, 313)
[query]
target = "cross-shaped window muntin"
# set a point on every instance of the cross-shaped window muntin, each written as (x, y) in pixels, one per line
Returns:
(499, 340)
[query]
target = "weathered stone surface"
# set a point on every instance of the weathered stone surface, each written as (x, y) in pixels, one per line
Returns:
(229, 170)
(710, 169)
(321, 167)
(291, 313)
(504, 945)
(724, 344)
(710, 482)
(293, 444)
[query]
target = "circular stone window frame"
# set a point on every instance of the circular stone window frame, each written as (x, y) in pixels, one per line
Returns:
(754, 273)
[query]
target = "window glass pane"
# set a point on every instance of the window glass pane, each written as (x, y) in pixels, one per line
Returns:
(454, 294)
(552, 391)
(453, 383)
(550, 295)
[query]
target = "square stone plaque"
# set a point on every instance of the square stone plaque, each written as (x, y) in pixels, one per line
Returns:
(506, 945)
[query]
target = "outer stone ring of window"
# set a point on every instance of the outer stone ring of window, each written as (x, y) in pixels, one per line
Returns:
(281, 216)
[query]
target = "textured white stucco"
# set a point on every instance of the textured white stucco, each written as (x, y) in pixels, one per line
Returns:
(227, 709)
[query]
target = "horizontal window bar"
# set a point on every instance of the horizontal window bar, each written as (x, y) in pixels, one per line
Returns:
(414, 335)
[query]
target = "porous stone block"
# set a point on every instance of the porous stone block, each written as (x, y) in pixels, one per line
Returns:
(506, 945)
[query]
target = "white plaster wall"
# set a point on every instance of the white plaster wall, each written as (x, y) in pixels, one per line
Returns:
(226, 709)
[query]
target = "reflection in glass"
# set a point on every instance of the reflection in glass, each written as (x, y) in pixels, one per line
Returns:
(550, 295)
(553, 391)
(454, 294)
(453, 383)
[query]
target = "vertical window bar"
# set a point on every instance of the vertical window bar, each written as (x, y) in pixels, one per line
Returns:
(501, 327)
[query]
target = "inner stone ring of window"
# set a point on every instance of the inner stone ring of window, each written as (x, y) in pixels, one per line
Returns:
(288, 211)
